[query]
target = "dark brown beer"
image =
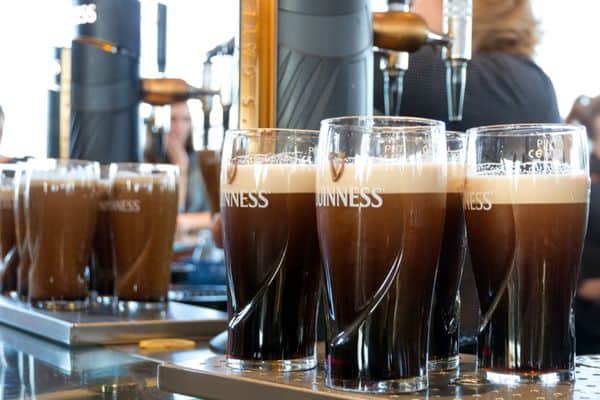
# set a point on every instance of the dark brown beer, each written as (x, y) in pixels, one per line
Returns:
(22, 242)
(61, 215)
(102, 276)
(444, 333)
(525, 239)
(271, 254)
(143, 213)
(380, 231)
(8, 251)
(209, 162)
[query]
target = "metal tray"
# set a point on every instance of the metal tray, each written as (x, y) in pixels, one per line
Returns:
(68, 360)
(102, 324)
(210, 378)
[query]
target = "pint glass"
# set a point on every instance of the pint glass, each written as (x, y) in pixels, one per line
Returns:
(142, 214)
(381, 199)
(271, 248)
(60, 214)
(526, 208)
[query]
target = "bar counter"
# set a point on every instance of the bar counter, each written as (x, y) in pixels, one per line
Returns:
(32, 367)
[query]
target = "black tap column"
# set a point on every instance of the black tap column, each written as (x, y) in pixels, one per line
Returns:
(105, 82)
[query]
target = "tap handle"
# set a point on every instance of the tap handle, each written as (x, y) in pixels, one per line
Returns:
(458, 25)
(207, 74)
(161, 52)
(458, 21)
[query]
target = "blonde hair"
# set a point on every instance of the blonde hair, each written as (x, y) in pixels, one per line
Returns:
(504, 25)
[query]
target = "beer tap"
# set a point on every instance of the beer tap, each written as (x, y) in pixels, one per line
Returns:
(226, 91)
(225, 50)
(207, 100)
(393, 65)
(458, 21)
(398, 32)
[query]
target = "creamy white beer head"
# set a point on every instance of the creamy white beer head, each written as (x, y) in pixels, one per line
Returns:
(136, 182)
(387, 177)
(55, 184)
(269, 178)
(363, 185)
(482, 191)
(456, 177)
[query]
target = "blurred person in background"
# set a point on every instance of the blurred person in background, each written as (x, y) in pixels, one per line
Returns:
(586, 111)
(179, 150)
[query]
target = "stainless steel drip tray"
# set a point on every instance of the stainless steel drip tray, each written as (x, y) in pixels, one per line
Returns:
(210, 378)
(102, 324)
(69, 360)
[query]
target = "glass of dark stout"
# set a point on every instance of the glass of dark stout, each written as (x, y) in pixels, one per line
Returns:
(381, 202)
(444, 332)
(9, 256)
(526, 209)
(142, 213)
(60, 213)
(271, 248)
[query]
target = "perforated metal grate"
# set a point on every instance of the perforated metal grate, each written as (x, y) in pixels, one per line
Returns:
(211, 378)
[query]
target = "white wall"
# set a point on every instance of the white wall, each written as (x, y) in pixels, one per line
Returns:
(28, 31)
(569, 50)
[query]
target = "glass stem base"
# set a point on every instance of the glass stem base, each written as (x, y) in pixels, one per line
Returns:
(102, 299)
(404, 385)
(515, 378)
(296, 364)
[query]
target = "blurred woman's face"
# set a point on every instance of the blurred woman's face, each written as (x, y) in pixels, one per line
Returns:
(181, 123)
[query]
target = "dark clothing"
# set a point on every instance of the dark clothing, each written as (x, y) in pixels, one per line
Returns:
(501, 88)
(587, 314)
(591, 253)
